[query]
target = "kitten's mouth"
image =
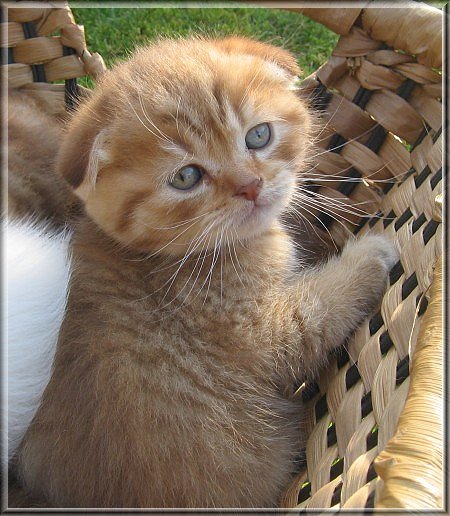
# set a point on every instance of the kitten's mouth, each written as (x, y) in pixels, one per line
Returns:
(256, 217)
(261, 203)
(256, 207)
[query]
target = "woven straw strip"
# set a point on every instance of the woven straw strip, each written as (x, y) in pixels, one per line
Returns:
(326, 495)
(56, 20)
(336, 390)
(395, 114)
(361, 415)
(17, 74)
(361, 497)
(45, 26)
(14, 33)
(316, 448)
(25, 14)
(415, 446)
(399, 28)
(356, 43)
(359, 465)
(34, 55)
(433, 90)
(386, 57)
(365, 160)
(355, 124)
(52, 95)
(37, 50)
(420, 153)
(348, 417)
(396, 158)
(375, 77)
(67, 67)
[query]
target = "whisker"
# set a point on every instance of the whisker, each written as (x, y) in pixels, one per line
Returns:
(201, 267)
(173, 276)
(340, 201)
(205, 250)
(140, 120)
(221, 267)
(329, 121)
(306, 176)
(303, 218)
(339, 209)
(188, 253)
(163, 135)
(332, 215)
(232, 261)
(213, 264)
(172, 240)
(183, 222)
(328, 209)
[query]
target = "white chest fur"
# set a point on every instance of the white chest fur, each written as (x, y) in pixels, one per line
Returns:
(37, 276)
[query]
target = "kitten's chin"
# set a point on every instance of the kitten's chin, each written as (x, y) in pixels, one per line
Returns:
(258, 219)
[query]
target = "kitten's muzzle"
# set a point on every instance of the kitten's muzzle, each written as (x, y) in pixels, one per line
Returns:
(251, 190)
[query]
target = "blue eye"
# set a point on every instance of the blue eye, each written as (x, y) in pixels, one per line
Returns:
(258, 136)
(186, 177)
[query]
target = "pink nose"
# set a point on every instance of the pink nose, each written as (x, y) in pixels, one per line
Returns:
(251, 190)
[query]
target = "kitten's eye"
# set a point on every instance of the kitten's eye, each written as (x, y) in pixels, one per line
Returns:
(258, 136)
(186, 178)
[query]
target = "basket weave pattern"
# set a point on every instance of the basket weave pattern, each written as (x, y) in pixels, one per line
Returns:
(45, 45)
(383, 131)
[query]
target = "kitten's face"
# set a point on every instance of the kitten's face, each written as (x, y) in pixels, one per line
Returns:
(188, 144)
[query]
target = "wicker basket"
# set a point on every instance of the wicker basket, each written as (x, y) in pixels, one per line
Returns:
(375, 415)
(38, 61)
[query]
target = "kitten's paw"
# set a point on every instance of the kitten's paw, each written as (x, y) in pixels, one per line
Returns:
(371, 247)
(367, 262)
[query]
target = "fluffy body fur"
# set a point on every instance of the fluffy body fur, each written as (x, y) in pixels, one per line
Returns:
(34, 136)
(37, 276)
(188, 314)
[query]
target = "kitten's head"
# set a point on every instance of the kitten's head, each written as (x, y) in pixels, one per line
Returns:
(189, 142)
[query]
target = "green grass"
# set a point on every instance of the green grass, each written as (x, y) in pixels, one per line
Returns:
(114, 32)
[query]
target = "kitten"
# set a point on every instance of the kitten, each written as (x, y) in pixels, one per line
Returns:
(188, 313)
(34, 189)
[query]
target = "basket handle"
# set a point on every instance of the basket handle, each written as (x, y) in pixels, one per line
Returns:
(415, 28)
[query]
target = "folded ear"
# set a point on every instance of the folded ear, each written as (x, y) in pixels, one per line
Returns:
(276, 55)
(83, 153)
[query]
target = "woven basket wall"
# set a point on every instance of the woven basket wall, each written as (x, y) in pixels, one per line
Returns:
(375, 415)
(46, 52)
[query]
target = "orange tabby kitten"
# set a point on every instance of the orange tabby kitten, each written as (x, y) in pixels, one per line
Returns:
(188, 313)
(34, 188)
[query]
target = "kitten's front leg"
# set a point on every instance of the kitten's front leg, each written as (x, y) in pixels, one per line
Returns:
(330, 301)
